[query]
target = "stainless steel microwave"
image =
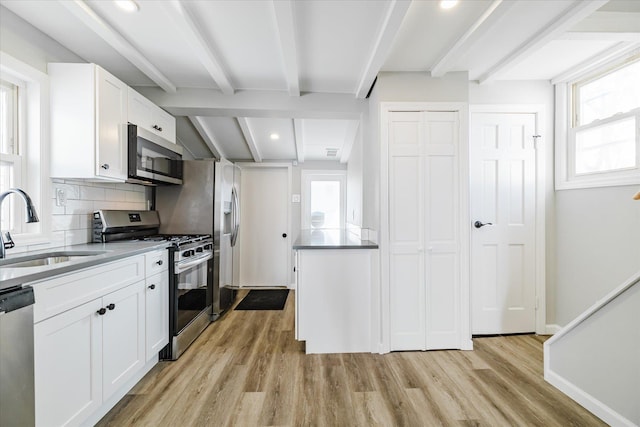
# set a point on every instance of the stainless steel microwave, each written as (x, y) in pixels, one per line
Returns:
(152, 159)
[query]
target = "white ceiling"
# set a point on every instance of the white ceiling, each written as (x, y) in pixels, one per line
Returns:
(234, 72)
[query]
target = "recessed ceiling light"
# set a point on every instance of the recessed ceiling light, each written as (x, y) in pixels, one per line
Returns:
(448, 4)
(274, 136)
(127, 5)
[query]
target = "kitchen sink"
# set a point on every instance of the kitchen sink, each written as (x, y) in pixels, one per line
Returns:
(49, 258)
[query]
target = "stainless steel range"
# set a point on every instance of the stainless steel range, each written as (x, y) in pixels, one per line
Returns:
(190, 271)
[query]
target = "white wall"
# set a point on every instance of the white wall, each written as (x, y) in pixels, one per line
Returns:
(70, 224)
(28, 44)
(600, 360)
(538, 93)
(399, 87)
(598, 245)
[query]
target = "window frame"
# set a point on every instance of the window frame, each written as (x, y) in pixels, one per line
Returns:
(33, 149)
(308, 176)
(566, 119)
(17, 158)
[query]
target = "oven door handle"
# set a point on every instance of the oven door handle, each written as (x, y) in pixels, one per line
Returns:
(181, 267)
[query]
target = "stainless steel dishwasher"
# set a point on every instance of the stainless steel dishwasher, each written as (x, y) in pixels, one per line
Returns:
(17, 401)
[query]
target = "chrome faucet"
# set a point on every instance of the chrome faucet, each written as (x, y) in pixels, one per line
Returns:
(5, 238)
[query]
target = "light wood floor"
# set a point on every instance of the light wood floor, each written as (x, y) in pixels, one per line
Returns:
(247, 369)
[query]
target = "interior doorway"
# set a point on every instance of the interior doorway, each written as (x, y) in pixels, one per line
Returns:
(265, 243)
(505, 189)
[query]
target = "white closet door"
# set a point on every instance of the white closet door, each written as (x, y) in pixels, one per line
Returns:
(424, 231)
(406, 249)
(442, 234)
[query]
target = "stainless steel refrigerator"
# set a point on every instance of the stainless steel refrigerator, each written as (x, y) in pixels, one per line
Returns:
(207, 202)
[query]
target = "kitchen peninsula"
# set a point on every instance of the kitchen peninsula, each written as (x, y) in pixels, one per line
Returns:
(334, 291)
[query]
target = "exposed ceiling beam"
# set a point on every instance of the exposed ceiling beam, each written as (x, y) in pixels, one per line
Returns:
(248, 136)
(195, 36)
(206, 136)
(349, 140)
(597, 61)
(298, 132)
(600, 36)
(95, 23)
(210, 102)
(388, 30)
(184, 146)
(602, 21)
(453, 53)
(286, 32)
(570, 17)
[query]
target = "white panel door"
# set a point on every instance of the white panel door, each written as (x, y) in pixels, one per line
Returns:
(406, 232)
(503, 188)
(264, 240)
(442, 234)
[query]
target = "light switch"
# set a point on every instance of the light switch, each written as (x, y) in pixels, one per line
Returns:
(295, 198)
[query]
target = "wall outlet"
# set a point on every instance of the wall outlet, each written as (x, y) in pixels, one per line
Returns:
(61, 197)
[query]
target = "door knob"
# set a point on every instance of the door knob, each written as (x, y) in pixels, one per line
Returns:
(479, 224)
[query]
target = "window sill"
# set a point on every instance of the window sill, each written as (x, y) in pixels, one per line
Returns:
(597, 183)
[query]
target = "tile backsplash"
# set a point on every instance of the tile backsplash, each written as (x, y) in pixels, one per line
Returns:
(73, 203)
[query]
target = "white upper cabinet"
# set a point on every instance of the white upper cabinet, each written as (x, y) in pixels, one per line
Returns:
(88, 123)
(149, 116)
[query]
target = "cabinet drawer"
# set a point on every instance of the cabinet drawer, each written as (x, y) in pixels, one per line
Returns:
(155, 262)
(68, 291)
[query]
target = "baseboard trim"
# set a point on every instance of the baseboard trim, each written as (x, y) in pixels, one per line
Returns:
(552, 329)
(596, 407)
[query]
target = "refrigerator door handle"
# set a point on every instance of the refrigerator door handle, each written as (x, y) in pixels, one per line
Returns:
(235, 211)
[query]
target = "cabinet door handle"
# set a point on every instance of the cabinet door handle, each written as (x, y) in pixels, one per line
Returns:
(159, 262)
(111, 306)
(152, 287)
(158, 128)
(102, 311)
(105, 166)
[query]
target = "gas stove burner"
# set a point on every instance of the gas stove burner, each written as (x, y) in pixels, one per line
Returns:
(177, 239)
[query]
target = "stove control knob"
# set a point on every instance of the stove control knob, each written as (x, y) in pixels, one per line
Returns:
(188, 253)
(199, 249)
(207, 247)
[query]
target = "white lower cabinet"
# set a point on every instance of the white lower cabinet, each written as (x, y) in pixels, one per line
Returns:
(68, 366)
(157, 313)
(123, 332)
(89, 354)
(333, 300)
(82, 356)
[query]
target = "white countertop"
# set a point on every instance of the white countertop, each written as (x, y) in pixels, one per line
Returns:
(10, 277)
(331, 239)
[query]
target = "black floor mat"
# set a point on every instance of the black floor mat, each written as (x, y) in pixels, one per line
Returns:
(267, 299)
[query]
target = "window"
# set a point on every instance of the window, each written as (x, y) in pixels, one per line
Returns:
(10, 159)
(323, 199)
(603, 134)
(24, 110)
